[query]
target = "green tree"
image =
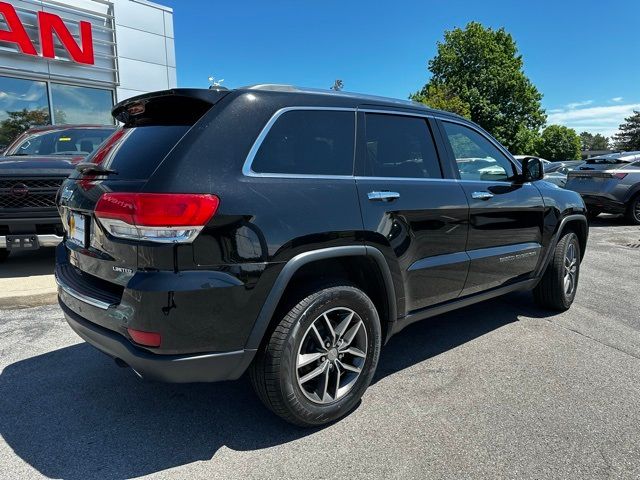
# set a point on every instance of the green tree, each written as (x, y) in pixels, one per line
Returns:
(526, 142)
(442, 98)
(600, 142)
(482, 67)
(593, 142)
(19, 121)
(586, 140)
(558, 142)
(629, 137)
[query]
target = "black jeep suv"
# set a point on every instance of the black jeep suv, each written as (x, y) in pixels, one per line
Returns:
(292, 232)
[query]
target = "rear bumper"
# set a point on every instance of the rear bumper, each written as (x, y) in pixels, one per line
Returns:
(43, 240)
(48, 229)
(205, 367)
(203, 317)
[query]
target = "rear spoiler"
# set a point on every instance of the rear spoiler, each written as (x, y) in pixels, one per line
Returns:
(178, 106)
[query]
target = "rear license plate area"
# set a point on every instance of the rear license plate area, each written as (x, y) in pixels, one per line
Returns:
(77, 225)
(22, 242)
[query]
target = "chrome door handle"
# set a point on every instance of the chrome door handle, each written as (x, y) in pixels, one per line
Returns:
(482, 195)
(383, 196)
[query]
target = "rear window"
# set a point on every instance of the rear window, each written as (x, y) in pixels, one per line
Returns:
(137, 151)
(606, 161)
(308, 142)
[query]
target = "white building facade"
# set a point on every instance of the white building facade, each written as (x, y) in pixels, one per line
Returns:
(70, 61)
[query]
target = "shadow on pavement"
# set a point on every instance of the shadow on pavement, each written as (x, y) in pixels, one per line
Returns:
(29, 263)
(433, 336)
(72, 413)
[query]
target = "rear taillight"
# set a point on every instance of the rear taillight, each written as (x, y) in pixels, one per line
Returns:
(156, 217)
(619, 176)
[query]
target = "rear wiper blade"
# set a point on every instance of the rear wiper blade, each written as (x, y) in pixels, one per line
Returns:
(95, 168)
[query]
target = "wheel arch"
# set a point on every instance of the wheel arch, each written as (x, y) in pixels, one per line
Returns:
(575, 222)
(632, 193)
(331, 260)
(580, 227)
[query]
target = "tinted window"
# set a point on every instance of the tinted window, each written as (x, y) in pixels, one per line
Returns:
(477, 158)
(136, 152)
(400, 146)
(68, 141)
(310, 142)
(606, 160)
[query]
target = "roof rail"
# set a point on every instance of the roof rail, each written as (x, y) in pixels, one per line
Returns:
(275, 87)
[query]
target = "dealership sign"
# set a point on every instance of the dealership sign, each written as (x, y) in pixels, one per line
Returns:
(49, 25)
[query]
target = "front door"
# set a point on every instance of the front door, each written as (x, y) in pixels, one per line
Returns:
(505, 214)
(419, 218)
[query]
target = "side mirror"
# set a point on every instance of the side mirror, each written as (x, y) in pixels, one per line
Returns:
(532, 169)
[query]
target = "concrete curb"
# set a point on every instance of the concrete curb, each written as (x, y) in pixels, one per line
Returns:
(28, 301)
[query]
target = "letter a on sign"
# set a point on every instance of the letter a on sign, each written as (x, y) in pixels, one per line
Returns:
(16, 33)
(50, 23)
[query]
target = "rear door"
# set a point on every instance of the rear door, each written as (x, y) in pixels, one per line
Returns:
(505, 215)
(419, 219)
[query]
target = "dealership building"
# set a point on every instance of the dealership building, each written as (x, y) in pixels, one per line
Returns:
(69, 61)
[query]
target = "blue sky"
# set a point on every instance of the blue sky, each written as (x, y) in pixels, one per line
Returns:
(584, 56)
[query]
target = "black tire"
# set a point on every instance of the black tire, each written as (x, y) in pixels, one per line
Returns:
(274, 371)
(633, 210)
(4, 254)
(551, 291)
(592, 213)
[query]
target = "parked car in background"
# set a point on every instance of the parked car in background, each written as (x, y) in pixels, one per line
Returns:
(32, 169)
(556, 172)
(483, 168)
(291, 232)
(520, 158)
(59, 141)
(609, 183)
(564, 165)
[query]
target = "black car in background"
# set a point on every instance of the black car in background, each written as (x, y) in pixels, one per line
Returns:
(32, 169)
(291, 232)
(610, 184)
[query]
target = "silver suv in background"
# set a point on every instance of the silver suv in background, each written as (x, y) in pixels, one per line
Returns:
(609, 183)
(556, 172)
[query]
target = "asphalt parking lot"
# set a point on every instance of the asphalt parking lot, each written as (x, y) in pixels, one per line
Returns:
(498, 390)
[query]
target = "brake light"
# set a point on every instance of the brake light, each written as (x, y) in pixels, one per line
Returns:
(156, 217)
(619, 176)
(148, 339)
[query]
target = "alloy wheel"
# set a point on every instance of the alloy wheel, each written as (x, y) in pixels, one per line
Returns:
(332, 355)
(570, 269)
